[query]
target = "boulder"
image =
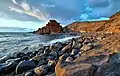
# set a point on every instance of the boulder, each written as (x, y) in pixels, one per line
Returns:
(24, 66)
(39, 57)
(112, 68)
(41, 70)
(7, 67)
(74, 70)
(82, 66)
(86, 47)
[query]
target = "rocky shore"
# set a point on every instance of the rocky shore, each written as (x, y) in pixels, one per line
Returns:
(81, 56)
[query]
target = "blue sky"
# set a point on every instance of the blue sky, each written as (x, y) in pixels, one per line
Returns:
(35, 13)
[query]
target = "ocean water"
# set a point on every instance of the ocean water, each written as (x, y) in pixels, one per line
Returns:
(23, 42)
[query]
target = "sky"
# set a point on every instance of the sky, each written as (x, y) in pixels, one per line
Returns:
(34, 14)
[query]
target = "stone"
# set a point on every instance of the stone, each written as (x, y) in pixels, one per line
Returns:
(52, 27)
(73, 42)
(29, 74)
(46, 50)
(69, 59)
(111, 68)
(25, 58)
(41, 70)
(24, 66)
(78, 45)
(74, 52)
(86, 41)
(74, 69)
(51, 63)
(42, 62)
(39, 57)
(86, 47)
(7, 67)
(20, 55)
(52, 56)
(67, 48)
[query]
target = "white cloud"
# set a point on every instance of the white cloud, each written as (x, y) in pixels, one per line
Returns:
(11, 8)
(14, 1)
(29, 10)
(48, 5)
(25, 6)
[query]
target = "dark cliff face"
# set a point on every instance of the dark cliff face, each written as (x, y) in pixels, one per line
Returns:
(52, 27)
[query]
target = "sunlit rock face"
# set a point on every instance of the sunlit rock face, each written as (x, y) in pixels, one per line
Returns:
(108, 26)
(52, 27)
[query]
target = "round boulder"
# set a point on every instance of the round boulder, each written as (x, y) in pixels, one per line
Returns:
(24, 66)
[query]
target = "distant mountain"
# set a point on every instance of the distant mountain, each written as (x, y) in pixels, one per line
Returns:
(111, 25)
(15, 29)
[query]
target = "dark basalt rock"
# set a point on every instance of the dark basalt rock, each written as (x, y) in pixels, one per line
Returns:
(112, 68)
(24, 66)
(52, 27)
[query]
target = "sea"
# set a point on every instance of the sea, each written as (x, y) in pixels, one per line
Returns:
(12, 42)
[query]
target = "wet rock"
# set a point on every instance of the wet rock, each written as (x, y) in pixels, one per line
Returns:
(28, 53)
(39, 57)
(3, 59)
(57, 47)
(24, 66)
(86, 47)
(53, 56)
(20, 55)
(25, 58)
(41, 70)
(7, 67)
(29, 73)
(46, 50)
(42, 62)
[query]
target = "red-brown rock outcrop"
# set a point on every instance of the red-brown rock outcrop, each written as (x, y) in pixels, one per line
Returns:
(52, 27)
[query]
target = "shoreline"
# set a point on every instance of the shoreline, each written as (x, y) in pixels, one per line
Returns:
(58, 57)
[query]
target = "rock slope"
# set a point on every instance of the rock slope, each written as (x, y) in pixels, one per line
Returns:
(111, 25)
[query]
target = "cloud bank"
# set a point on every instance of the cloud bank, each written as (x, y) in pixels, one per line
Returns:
(65, 11)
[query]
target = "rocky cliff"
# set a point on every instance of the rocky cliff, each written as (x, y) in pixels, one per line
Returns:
(51, 28)
(111, 25)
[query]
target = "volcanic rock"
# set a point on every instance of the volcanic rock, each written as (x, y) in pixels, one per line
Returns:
(52, 27)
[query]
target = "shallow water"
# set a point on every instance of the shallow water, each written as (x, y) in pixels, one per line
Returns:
(24, 42)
